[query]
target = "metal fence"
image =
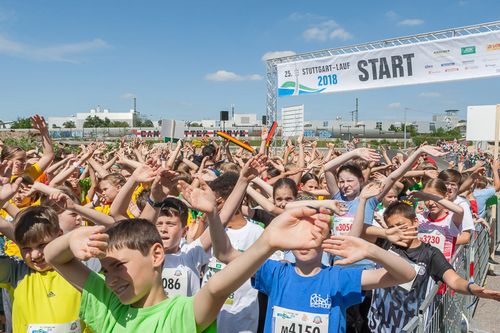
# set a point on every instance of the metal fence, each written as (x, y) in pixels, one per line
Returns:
(448, 311)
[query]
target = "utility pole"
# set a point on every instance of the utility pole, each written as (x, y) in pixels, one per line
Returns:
(404, 128)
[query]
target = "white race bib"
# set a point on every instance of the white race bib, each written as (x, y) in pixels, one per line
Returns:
(174, 281)
(342, 225)
(72, 327)
(433, 238)
(292, 321)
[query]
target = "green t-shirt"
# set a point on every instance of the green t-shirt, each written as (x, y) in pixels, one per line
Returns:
(103, 312)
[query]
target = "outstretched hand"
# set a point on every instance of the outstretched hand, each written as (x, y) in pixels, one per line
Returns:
(254, 167)
(401, 233)
(371, 190)
(201, 199)
(88, 242)
(352, 249)
(367, 154)
(299, 229)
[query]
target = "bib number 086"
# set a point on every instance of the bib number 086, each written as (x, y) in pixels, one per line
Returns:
(171, 283)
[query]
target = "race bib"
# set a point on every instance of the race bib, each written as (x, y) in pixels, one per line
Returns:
(407, 286)
(292, 321)
(72, 327)
(174, 281)
(433, 238)
(342, 225)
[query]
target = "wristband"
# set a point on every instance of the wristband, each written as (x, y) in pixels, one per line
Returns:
(154, 204)
(468, 287)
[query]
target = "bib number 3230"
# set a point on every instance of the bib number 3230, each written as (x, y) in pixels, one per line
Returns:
(292, 321)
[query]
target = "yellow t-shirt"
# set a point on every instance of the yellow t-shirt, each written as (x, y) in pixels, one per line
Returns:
(40, 299)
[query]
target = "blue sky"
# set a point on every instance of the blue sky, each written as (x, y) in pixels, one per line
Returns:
(189, 60)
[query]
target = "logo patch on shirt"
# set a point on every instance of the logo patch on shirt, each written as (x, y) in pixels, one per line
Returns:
(51, 294)
(316, 301)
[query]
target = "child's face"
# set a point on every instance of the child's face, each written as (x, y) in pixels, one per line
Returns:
(32, 254)
(401, 220)
(310, 185)
(130, 274)
(282, 196)
(308, 256)
(432, 206)
(69, 220)
(451, 190)
(349, 184)
(108, 190)
(171, 232)
(389, 198)
(18, 163)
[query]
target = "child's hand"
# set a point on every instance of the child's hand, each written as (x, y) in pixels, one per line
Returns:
(371, 190)
(299, 229)
(40, 124)
(485, 293)
(88, 242)
(254, 167)
(368, 154)
(339, 207)
(201, 199)
(144, 174)
(432, 150)
(62, 200)
(398, 234)
(352, 249)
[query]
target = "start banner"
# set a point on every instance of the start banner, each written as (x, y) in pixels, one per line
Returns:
(464, 57)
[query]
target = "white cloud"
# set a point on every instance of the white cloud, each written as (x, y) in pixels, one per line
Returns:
(223, 75)
(326, 30)
(411, 22)
(395, 105)
(430, 94)
(277, 54)
(61, 52)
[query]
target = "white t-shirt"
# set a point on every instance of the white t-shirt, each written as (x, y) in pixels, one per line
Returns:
(181, 271)
(240, 312)
(467, 221)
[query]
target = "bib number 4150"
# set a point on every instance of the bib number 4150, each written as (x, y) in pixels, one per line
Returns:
(299, 328)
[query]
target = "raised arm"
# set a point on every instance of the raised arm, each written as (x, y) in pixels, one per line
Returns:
(264, 202)
(458, 212)
(48, 152)
(395, 269)
(399, 172)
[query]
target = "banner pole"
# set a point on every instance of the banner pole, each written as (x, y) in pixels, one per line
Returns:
(497, 128)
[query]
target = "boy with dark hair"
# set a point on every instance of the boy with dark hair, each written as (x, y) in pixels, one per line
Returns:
(42, 300)
(387, 312)
(131, 298)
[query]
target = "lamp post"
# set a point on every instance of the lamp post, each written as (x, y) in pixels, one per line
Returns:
(404, 128)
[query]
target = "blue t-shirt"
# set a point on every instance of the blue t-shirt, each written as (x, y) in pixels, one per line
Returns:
(330, 292)
(352, 206)
(482, 196)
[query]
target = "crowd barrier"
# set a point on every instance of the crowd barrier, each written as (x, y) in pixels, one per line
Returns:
(443, 312)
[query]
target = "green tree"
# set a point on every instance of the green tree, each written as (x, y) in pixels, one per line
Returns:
(94, 121)
(118, 124)
(69, 124)
(394, 128)
(21, 123)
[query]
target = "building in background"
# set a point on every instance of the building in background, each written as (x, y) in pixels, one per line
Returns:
(79, 118)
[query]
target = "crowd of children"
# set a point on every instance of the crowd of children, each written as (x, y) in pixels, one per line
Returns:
(136, 237)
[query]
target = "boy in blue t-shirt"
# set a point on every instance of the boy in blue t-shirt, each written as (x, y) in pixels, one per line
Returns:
(307, 296)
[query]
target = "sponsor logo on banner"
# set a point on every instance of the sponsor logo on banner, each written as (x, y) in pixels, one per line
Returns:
(429, 66)
(441, 53)
(493, 47)
(490, 59)
(471, 67)
(490, 65)
(468, 62)
(446, 64)
(454, 69)
(468, 50)
(434, 72)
